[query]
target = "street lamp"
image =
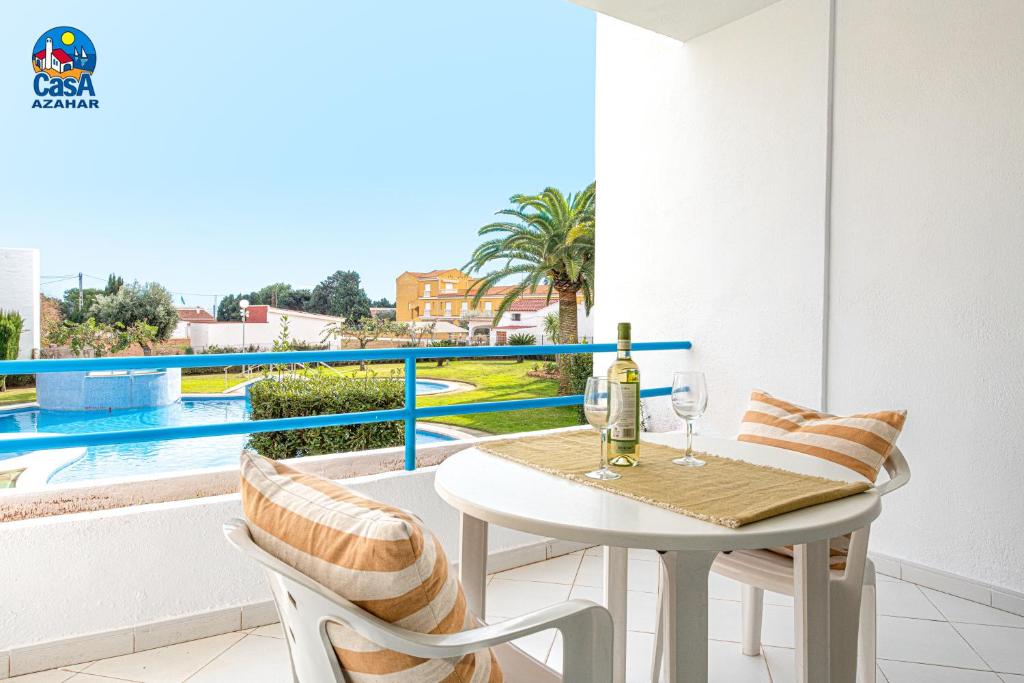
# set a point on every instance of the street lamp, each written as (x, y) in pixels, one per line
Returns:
(244, 306)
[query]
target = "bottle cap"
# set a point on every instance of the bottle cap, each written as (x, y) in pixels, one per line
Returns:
(624, 330)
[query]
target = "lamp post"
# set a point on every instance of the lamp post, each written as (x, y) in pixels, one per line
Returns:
(243, 305)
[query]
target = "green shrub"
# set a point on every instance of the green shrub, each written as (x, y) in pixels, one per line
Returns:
(325, 395)
(521, 339)
(11, 324)
(577, 367)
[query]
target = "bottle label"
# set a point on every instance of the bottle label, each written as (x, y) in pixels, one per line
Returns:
(626, 428)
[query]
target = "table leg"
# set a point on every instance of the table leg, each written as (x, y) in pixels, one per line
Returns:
(616, 567)
(811, 596)
(473, 563)
(686, 615)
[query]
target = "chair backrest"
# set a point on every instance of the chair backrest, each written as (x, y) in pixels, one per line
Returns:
(302, 605)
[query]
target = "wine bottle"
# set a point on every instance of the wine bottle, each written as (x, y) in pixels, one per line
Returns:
(624, 444)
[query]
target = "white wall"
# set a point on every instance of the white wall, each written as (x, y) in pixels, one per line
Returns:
(95, 572)
(927, 266)
(19, 291)
(711, 163)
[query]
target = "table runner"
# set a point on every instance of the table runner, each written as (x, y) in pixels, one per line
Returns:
(725, 491)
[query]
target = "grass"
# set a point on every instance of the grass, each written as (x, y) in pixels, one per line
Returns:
(212, 383)
(495, 380)
(17, 395)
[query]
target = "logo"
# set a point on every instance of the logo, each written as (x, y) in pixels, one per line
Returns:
(64, 59)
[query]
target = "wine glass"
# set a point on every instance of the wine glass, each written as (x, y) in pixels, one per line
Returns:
(602, 404)
(689, 400)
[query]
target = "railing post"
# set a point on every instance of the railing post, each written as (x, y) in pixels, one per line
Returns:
(410, 412)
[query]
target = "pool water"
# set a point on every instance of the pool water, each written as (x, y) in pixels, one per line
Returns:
(149, 457)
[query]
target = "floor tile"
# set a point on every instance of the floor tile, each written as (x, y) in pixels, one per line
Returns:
(1011, 678)
(52, 676)
(644, 554)
(269, 631)
(537, 645)
(906, 672)
(507, 598)
(170, 664)
(591, 572)
(1001, 647)
(925, 642)
(728, 664)
(89, 678)
(254, 659)
(902, 599)
(641, 607)
(723, 588)
(967, 612)
(725, 622)
(557, 570)
(643, 575)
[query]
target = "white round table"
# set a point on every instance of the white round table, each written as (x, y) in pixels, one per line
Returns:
(487, 489)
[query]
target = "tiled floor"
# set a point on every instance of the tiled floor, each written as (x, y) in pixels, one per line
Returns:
(924, 636)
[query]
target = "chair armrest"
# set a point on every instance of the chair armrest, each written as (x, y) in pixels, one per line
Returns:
(898, 470)
(575, 618)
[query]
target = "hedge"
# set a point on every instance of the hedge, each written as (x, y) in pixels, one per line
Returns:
(325, 395)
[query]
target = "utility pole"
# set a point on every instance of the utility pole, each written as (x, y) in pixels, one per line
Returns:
(81, 294)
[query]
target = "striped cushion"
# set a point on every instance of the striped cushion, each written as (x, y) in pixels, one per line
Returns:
(379, 557)
(859, 442)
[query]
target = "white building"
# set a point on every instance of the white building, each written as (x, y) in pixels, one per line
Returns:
(19, 291)
(263, 326)
(526, 316)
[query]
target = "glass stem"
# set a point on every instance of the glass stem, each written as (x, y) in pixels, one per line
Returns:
(689, 438)
(604, 449)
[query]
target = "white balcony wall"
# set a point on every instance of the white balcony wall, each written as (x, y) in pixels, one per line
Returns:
(19, 291)
(709, 168)
(103, 572)
(927, 306)
(711, 160)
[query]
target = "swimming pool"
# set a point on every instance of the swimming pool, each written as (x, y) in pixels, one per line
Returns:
(149, 457)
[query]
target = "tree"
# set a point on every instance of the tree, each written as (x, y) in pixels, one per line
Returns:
(340, 294)
(114, 284)
(551, 325)
(150, 304)
(548, 243)
(382, 303)
(11, 326)
(69, 308)
(101, 338)
(364, 332)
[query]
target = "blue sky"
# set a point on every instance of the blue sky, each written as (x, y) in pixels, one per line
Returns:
(239, 144)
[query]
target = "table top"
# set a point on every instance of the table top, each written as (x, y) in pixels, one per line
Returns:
(505, 493)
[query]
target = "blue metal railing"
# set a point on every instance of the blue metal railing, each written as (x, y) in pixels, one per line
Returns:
(409, 413)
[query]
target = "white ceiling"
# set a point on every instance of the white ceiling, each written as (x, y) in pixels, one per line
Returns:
(679, 19)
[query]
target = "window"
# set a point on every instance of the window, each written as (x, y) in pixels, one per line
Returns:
(449, 287)
(426, 289)
(465, 307)
(448, 308)
(487, 306)
(426, 310)
(517, 317)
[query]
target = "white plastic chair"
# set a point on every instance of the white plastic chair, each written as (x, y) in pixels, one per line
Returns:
(306, 607)
(852, 594)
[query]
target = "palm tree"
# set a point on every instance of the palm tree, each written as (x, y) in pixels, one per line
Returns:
(548, 243)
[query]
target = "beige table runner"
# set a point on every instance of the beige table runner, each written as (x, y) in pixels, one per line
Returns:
(725, 491)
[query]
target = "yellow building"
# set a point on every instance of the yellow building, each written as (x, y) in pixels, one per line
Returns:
(444, 296)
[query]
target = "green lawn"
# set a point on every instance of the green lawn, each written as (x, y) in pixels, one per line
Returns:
(496, 380)
(17, 395)
(211, 384)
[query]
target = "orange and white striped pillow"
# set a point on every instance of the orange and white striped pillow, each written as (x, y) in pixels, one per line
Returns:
(379, 557)
(859, 442)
